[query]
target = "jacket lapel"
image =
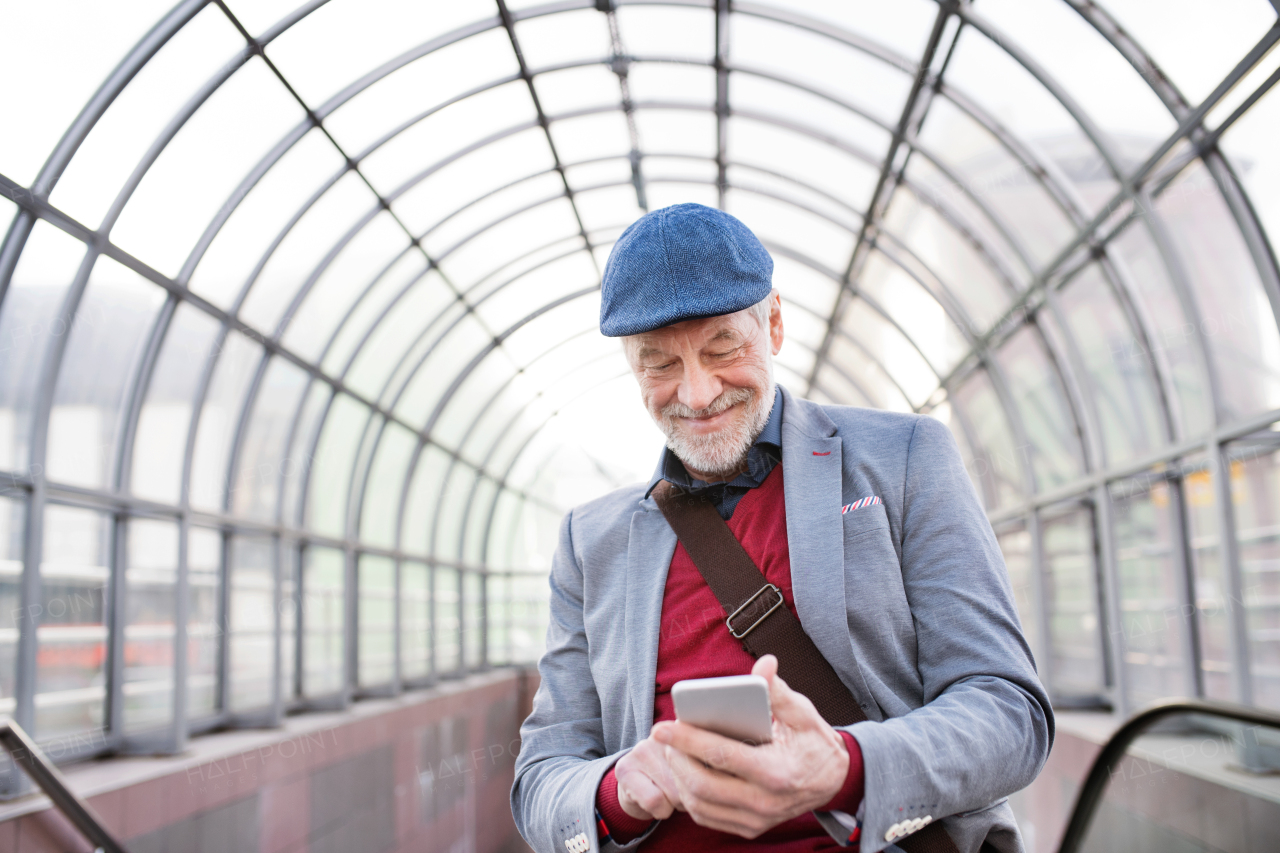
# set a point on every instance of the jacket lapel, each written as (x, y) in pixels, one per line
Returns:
(651, 547)
(812, 467)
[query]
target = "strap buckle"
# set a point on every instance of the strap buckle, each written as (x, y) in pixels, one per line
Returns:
(738, 635)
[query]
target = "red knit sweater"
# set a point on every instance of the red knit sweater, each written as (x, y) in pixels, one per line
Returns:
(694, 643)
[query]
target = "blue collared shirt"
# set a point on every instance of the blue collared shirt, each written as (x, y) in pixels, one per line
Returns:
(765, 453)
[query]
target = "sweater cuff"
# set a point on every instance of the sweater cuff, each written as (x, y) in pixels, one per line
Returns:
(849, 797)
(623, 827)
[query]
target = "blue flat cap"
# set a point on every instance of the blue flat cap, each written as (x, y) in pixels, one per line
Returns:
(683, 262)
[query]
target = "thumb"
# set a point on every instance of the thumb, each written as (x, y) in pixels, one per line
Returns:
(787, 705)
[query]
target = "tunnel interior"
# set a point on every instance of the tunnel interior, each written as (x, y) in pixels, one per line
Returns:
(299, 360)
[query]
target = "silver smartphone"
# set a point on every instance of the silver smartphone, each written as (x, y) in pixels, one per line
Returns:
(735, 706)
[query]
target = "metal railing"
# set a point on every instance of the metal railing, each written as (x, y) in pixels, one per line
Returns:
(1095, 783)
(37, 765)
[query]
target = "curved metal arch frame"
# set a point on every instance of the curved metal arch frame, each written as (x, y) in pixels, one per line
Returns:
(735, 9)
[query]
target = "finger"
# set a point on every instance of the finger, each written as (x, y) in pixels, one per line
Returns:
(640, 790)
(701, 789)
(788, 706)
(708, 785)
(723, 753)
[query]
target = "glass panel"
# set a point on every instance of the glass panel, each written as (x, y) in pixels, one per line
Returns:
(660, 81)
(566, 37)
(294, 260)
(805, 286)
(238, 359)
(1093, 72)
(603, 208)
(446, 638)
(151, 577)
(289, 607)
(299, 456)
(424, 493)
(1009, 94)
(373, 306)
(140, 112)
(1154, 622)
(902, 26)
(901, 360)
(949, 257)
(341, 41)
(251, 623)
(867, 375)
(415, 621)
(751, 94)
(825, 243)
(915, 309)
(386, 478)
(331, 467)
(376, 642)
(1255, 488)
(1075, 658)
(334, 294)
(760, 182)
(438, 371)
(1213, 597)
(203, 164)
(1016, 547)
(1235, 316)
(1237, 26)
(591, 137)
(1249, 146)
(1123, 388)
(473, 619)
(107, 338)
(882, 89)
(12, 524)
(470, 221)
(813, 162)
(204, 567)
(997, 462)
(447, 133)
(504, 242)
(417, 319)
(28, 322)
(71, 660)
(323, 617)
(498, 608)
(160, 443)
(481, 498)
(458, 183)
(987, 169)
(577, 88)
(1050, 424)
(668, 31)
(263, 463)
(258, 219)
(1172, 334)
(447, 534)
(528, 615)
(45, 104)
(421, 85)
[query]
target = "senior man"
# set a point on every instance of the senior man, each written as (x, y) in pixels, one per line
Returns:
(913, 709)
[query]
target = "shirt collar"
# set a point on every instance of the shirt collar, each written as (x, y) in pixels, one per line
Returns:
(769, 442)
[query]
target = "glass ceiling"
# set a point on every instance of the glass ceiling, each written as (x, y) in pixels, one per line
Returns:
(321, 283)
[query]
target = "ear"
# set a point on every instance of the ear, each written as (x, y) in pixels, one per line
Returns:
(775, 322)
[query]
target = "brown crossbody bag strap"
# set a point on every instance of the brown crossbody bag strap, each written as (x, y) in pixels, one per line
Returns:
(760, 620)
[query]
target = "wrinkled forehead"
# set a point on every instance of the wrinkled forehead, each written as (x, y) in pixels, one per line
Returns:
(693, 334)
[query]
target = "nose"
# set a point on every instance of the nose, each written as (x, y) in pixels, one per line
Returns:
(699, 386)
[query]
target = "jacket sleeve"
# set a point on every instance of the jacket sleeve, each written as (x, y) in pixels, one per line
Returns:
(562, 752)
(986, 725)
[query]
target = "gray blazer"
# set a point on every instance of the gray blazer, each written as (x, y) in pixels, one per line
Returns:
(908, 599)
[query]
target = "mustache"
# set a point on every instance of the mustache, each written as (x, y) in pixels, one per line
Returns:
(727, 399)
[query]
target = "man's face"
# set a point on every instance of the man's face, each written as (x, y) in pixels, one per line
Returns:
(708, 384)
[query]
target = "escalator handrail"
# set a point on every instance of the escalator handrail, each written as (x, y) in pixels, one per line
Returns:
(41, 770)
(1100, 773)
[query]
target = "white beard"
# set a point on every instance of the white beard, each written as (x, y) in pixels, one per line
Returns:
(724, 451)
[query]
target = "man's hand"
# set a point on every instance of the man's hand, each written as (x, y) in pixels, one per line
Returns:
(746, 790)
(646, 787)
